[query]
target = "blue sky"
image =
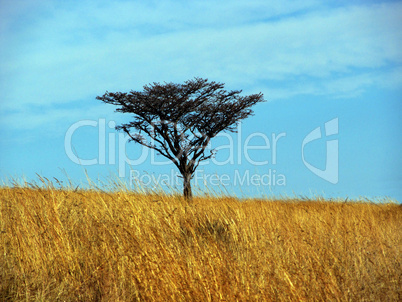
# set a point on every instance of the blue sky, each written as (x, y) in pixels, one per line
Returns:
(315, 62)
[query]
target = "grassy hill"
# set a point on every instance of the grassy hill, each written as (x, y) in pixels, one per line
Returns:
(66, 245)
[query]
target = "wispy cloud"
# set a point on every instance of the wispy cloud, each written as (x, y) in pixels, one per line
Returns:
(59, 52)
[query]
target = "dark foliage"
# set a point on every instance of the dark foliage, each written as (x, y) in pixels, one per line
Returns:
(181, 119)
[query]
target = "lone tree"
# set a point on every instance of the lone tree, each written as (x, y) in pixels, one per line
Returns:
(181, 119)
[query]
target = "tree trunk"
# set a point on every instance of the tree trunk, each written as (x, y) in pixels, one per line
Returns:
(187, 193)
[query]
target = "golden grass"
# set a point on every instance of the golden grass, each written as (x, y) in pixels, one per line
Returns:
(66, 245)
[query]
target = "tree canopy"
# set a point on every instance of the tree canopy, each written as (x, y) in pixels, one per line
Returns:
(181, 119)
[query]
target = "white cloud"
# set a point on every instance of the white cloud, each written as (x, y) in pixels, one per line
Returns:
(74, 52)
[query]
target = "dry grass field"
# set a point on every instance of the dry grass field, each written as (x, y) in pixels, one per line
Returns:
(77, 245)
